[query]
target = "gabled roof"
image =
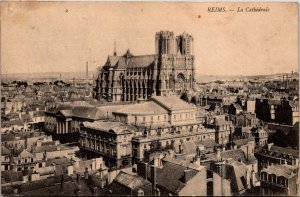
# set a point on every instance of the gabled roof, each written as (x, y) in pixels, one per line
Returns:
(109, 126)
(4, 150)
(241, 142)
(23, 153)
(113, 60)
(238, 176)
(172, 102)
(147, 107)
(131, 181)
(141, 61)
(189, 147)
(171, 177)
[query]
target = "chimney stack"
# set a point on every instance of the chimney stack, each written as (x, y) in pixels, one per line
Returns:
(270, 145)
(218, 153)
(153, 178)
(87, 71)
(187, 175)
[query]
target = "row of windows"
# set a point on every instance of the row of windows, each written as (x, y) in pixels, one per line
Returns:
(274, 179)
(152, 118)
(168, 142)
(26, 160)
(186, 116)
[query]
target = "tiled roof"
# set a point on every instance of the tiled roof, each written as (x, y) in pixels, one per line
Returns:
(286, 151)
(281, 170)
(238, 175)
(131, 181)
(109, 126)
(171, 177)
(26, 118)
(10, 176)
(172, 102)
(61, 106)
(148, 107)
(47, 148)
(60, 161)
(237, 106)
(189, 147)
(141, 61)
(113, 60)
(236, 154)
(23, 153)
(12, 116)
(7, 137)
(38, 113)
(4, 150)
(207, 143)
(17, 122)
(241, 142)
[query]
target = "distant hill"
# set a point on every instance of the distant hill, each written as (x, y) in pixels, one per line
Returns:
(209, 78)
(81, 75)
(48, 76)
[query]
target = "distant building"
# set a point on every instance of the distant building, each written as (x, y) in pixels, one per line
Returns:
(261, 137)
(223, 128)
(129, 78)
(277, 111)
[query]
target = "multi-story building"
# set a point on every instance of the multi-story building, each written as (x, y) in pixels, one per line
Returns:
(272, 154)
(111, 140)
(277, 111)
(223, 128)
(261, 137)
(129, 78)
(279, 180)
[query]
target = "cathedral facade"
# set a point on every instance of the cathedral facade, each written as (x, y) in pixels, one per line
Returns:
(169, 71)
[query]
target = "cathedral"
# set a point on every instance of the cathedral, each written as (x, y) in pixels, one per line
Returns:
(169, 71)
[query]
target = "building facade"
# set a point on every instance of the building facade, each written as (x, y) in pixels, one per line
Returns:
(170, 70)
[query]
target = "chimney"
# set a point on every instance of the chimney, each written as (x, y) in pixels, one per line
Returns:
(171, 153)
(247, 152)
(270, 145)
(218, 153)
(157, 162)
(62, 182)
(248, 180)
(197, 161)
(187, 175)
(87, 70)
(153, 177)
(253, 176)
(20, 115)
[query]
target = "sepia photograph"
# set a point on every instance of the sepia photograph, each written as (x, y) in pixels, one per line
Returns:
(157, 98)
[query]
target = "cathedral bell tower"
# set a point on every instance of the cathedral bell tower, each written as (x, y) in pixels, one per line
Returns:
(164, 43)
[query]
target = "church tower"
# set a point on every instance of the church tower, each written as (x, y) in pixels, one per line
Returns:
(185, 44)
(164, 43)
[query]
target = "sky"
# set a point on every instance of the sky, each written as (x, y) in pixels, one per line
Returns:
(63, 36)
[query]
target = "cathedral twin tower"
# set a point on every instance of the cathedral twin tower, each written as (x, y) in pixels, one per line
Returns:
(166, 44)
(169, 71)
